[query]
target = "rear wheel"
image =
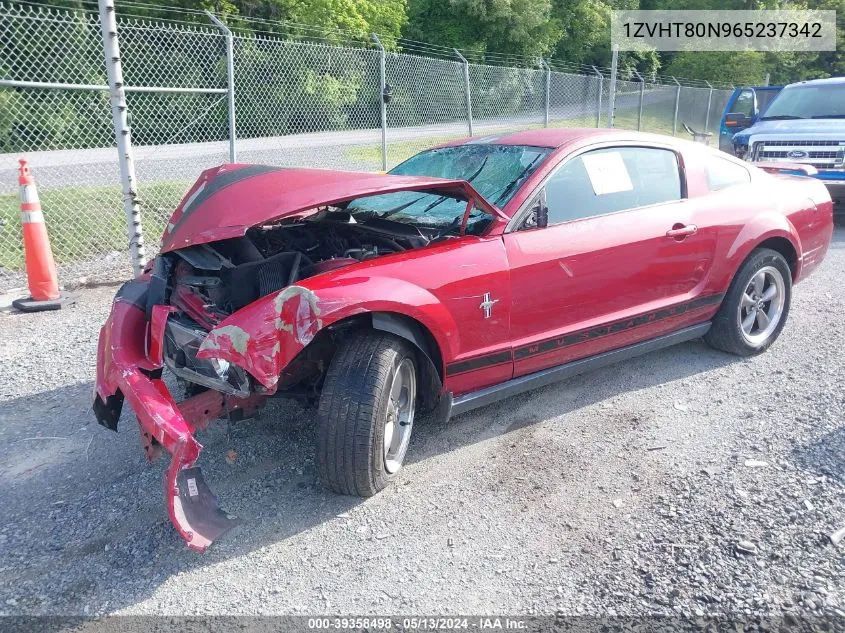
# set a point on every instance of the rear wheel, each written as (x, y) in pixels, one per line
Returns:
(366, 413)
(756, 306)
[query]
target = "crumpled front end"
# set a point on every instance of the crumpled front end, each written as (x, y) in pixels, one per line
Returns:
(260, 271)
(130, 358)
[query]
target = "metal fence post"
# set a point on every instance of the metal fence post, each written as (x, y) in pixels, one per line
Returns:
(122, 134)
(601, 88)
(709, 101)
(467, 89)
(677, 103)
(383, 86)
(642, 94)
(611, 105)
(543, 64)
(230, 73)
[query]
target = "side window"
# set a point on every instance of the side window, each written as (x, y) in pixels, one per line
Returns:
(744, 103)
(609, 180)
(722, 174)
(764, 98)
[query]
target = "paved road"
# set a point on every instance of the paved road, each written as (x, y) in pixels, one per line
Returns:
(631, 490)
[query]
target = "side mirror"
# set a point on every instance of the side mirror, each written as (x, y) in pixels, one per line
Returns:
(538, 216)
(737, 119)
(387, 94)
(542, 214)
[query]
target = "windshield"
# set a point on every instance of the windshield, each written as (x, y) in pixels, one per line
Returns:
(496, 172)
(808, 102)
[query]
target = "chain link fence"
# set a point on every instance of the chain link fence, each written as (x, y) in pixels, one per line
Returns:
(293, 100)
(55, 128)
(297, 103)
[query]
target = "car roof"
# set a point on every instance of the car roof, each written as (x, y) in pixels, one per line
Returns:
(560, 137)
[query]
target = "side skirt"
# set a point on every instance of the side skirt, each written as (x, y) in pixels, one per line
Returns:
(489, 395)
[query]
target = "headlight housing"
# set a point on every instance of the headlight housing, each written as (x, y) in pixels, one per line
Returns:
(182, 340)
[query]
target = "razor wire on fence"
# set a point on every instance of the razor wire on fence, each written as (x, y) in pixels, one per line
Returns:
(296, 102)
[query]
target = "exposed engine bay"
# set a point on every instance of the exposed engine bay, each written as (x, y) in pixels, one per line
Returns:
(208, 282)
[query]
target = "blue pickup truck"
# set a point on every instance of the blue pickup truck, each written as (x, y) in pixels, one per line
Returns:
(804, 123)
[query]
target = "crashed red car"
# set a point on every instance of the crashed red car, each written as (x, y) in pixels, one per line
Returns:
(471, 272)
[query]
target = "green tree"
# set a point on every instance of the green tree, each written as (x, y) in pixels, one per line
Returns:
(746, 67)
(516, 27)
(358, 17)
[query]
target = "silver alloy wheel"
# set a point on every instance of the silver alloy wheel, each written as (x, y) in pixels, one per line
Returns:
(400, 415)
(761, 307)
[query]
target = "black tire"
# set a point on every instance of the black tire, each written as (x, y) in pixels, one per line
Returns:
(726, 334)
(353, 411)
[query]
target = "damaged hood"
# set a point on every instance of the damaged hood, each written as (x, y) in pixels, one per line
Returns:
(229, 199)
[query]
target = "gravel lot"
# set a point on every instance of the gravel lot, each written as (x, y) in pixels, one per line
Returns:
(629, 490)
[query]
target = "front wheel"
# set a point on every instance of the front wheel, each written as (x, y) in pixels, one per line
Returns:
(366, 413)
(755, 308)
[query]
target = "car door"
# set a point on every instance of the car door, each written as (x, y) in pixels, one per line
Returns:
(619, 260)
(742, 102)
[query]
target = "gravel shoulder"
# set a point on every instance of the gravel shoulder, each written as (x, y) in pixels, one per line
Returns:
(685, 481)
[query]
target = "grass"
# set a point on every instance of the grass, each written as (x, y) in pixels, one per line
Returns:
(397, 151)
(86, 221)
(626, 121)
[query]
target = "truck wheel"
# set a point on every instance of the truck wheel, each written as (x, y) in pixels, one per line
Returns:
(755, 308)
(366, 413)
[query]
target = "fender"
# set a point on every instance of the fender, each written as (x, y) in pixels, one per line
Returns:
(266, 335)
(406, 329)
(764, 226)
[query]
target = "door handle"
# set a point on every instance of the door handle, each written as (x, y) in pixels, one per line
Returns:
(681, 231)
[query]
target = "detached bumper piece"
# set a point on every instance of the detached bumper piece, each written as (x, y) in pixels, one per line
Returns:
(197, 508)
(126, 371)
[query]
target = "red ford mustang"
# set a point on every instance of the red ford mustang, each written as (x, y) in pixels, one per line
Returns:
(471, 272)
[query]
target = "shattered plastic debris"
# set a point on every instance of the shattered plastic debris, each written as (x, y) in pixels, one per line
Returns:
(746, 547)
(756, 463)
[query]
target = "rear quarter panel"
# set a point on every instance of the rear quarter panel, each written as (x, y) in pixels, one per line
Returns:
(809, 209)
(795, 209)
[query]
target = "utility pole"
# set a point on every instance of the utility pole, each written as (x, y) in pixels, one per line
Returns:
(642, 95)
(230, 77)
(122, 135)
(544, 64)
(467, 91)
(601, 88)
(382, 87)
(677, 104)
(611, 108)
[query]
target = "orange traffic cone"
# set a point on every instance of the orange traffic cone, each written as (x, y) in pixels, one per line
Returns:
(40, 267)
